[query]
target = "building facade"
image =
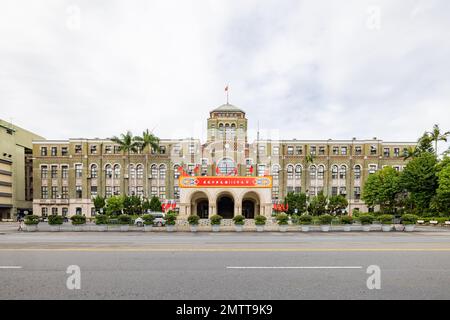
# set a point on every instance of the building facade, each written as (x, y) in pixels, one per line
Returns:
(69, 173)
(16, 171)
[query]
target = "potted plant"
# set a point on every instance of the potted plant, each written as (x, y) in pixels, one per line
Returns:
(193, 220)
(101, 221)
(55, 222)
(215, 222)
(77, 222)
(171, 220)
(239, 222)
(31, 222)
(366, 221)
(347, 221)
(124, 221)
(305, 222)
(148, 222)
(409, 221)
(260, 222)
(282, 220)
(386, 222)
(325, 222)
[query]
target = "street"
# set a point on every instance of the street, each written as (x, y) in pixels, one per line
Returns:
(225, 265)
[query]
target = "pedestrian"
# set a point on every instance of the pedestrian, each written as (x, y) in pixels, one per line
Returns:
(21, 226)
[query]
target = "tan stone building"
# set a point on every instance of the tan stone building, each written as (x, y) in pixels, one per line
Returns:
(67, 174)
(16, 187)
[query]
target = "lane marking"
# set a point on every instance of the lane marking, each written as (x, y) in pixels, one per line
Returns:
(10, 267)
(312, 267)
(125, 249)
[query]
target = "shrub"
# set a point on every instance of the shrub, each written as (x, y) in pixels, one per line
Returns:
(215, 219)
(55, 220)
(282, 218)
(366, 218)
(325, 219)
(409, 219)
(193, 219)
(294, 218)
(31, 220)
(148, 219)
(77, 219)
(385, 219)
(260, 220)
(171, 218)
(101, 219)
(346, 220)
(305, 219)
(239, 220)
(124, 219)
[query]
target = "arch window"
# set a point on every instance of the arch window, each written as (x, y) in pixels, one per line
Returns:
(116, 171)
(108, 171)
(162, 172)
(275, 171)
(320, 172)
(290, 172)
(343, 172)
(312, 172)
(139, 171)
(357, 172)
(334, 172)
(94, 171)
(132, 172)
(154, 171)
(226, 166)
(298, 171)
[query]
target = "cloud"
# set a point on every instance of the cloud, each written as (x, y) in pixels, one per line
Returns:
(303, 69)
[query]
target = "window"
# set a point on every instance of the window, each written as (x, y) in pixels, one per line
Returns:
(357, 172)
(357, 193)
(54, 193)
(44, 151)
(108, 149)
(64, 211)
(93, 149)
(226, 166)
(162, 192)
(176, 172)
(116, 171)
(93, 191)
(320, 172)
(54, 151)
(373, 150)
(94, 171)
(140, 191)
(154, 171)
(343, 191)
(108, 171)
(275, 150)
(54, 172)
(290, 172)
(312, 191)
(343, 172)
(78, 192)
(396, 152)
(312, 172)
(78, 211)
(64, 192)
(298, 189)
(44, 212)
(44, 172)
(275, 193)
(372, 168)
(298, 150)
(64, 172)
(298, 171)
(177, 150)
(78, 148)
(290, 150)
(358, 151)
(397, 168)
(321, 151)
(261, 169)
(162, 172)
(64, 151)
(44, 192)
(78, 171)
(334, 172)
(386, 152)
(191, 148)
(335, 150)
(176, 192)
(92, 211)
(154, 191)
(262, 149)
(289, 189)
(139, 171)
(344, 151)
(116, 190)
(116, 149)
(275, 171)
(108, 191)
(334, 191)
(312, 150)
(162, 149)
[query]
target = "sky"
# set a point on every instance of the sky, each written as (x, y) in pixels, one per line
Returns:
(301, 69)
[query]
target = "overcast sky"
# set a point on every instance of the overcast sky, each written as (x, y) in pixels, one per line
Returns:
(304, 69)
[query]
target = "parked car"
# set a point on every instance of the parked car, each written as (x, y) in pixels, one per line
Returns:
(159, 220)
(139, 222)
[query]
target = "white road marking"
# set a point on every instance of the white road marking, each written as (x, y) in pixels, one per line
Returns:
(312, 267)
(10, 267)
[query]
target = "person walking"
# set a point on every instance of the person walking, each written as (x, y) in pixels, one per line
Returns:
(21, 226)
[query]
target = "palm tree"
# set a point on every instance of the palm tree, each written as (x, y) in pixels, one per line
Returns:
(436, 135)
(411, 152)
(147, 140)
(127, 144)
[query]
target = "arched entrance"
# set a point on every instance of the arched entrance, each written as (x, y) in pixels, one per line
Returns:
(200, 205)
(250, 205)
(225, 206)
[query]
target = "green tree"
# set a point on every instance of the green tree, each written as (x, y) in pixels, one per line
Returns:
(318, 204)
(419, 179)
(155, 204)
(410, 153)
(114, 205)
(296, 201)
(127, 144)
(437, 135)
(382, 188)
(337, 204)
(425, 144)
(441, 201)
(146, 142)
(99, 203)
(132, 205)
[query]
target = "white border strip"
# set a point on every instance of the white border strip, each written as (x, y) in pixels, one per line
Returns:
(312, 267)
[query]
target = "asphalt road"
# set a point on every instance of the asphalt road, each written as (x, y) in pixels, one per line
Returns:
(225, 265)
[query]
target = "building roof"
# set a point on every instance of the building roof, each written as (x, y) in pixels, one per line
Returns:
(227, 108)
